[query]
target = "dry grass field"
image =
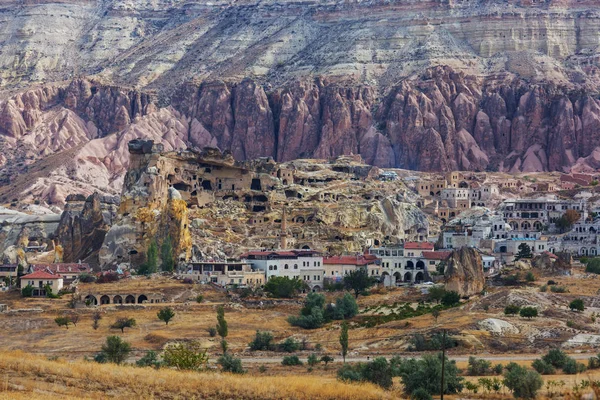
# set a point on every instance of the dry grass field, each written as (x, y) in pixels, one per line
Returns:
(34, 373)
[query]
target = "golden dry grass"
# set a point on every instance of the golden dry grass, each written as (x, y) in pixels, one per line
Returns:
(35, 376)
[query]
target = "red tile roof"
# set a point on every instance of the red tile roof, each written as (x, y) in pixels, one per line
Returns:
(41, 275)
(350, 260)
(551, 255)
(436, 255)
(281, 253)
(61, 268)
(418, 246)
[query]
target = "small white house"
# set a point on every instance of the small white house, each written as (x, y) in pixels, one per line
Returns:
(39, 279)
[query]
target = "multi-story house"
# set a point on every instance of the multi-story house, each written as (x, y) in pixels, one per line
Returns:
(226, 273)
(338, 266)
(404, 263)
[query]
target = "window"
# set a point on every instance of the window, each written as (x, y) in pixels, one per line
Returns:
(285, 266)
(295, 266)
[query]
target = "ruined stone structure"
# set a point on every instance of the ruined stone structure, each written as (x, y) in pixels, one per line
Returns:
(95, 299)
(222, 207)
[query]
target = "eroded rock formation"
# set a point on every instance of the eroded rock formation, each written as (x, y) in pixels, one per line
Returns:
(464, 272)
(83, 226)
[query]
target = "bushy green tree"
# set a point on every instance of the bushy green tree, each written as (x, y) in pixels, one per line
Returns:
(593, 265)
(123, 323)
(315, 320)
(289, 345)
(311, 301)
(345, 307)
(450, 298)
(186, 356)
(291, 361)
(478, 366)
(436, 293)
(577, 305)
(378, 371)
(262, 341)
(524, 252)
(556, 357)
(283, 287)
(115, 350)
(358, 281)
(150, 359)
(166, 314)
(312, 360)
(62, 321)
(528, 312)
(543, 367)
(512, 309)
(231, 364)
(426, 373)
(572, 367)
(523, 383)
(27, 291)
(166, 255)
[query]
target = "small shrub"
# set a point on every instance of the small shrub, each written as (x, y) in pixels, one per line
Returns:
(27, 291)
(327, 359)
(262, 341)
(577, 305)
(556, 357)
(544, 288)
(594, 362)
(262, 369)
(291, 361)
(290, 345)
(188, 356)
(230, 364)
(312, 360)
(87, 278)
(551, 282)
(528, 312)
(378, 371)
(558, 289)
(512, 309)
(498, 369)
(530, 277)
(450, 298)
(420, 394)
(150, 359)
(199, 298)
(478, 367)
(572, 367)
(543, 367)
(108, 277)
(212, 331)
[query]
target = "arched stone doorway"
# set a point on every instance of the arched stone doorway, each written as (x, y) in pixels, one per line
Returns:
(130, 299)
(91, 300)
(316, 288)
(117, 300)
(410, 265)
(419, 277)
(397, 277)
(142, 298)
(420, 265)
(408, 277)
(105, 300)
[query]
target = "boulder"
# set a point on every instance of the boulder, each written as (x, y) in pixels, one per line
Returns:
(497, 326)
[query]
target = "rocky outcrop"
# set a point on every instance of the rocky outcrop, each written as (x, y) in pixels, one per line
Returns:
(464, 272)
(83, 226)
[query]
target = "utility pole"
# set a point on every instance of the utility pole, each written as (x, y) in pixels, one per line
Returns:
(443, 365)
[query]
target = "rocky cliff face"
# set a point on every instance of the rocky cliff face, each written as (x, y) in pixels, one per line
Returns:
(464, 272)
(429, 85)
(83, 226)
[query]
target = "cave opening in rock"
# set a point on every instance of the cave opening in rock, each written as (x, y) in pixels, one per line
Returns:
(255, 185)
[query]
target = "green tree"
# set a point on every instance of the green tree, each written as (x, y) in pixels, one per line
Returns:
(426, 373)
(572, 367)
(150, 359)
(311, 301)
(344, 339)
(222, 327)
(478, 367)
(27, 291)
(378, 371)
(566, 221)
(436, 293)
(312, 360)
(345, 307)
(151, 264)
(512, 309)
(123, 323)
(435, 313)
(62, 321)
(283, 287)
(530, 277)
(528, 312)
(451, 298)
(166, 314)
(543, 367)
(185, 356)
(291, 360)
(262, 341)
(115, 349)
(231, 364)
(166, 255)
(577, 305)
(96, 317)
(358, 281)
(524, 252)
(289, 345)
(326, 359)
(315, 320)
(556, 357)
(523, 383)
(593, 265)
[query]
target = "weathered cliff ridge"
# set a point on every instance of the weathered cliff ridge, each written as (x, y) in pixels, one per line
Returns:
(438, 121)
